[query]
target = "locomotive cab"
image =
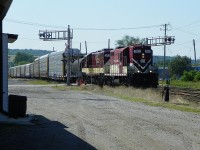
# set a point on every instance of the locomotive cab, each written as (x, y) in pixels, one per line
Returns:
(142, 58)
(143, 70)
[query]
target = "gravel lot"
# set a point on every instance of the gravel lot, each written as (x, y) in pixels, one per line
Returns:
(85, 120)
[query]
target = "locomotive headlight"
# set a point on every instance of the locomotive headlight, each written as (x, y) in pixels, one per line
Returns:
(142, 55)
(150, 71)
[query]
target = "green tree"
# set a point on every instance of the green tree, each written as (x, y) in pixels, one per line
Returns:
(179, 64)
(128, 41)
(23, 58)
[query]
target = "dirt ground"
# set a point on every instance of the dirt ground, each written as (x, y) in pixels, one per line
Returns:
(70, 120)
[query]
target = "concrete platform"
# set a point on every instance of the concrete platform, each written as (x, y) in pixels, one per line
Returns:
(4, 119)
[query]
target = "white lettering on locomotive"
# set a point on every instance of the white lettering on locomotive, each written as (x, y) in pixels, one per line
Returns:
(137, 51)
(116, 61)
(107, 55)
(147, 51)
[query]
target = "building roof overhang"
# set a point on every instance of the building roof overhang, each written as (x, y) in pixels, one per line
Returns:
(4, 6)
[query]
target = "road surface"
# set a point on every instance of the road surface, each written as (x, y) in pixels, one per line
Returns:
(85, 120)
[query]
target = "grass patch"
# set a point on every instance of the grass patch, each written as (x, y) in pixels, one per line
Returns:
(188, 84)
(169, 105)
(146, 96)
(41, 82)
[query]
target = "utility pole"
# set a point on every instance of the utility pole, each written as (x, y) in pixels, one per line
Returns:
(194, 52)
(79, 72)
(164, 61)
(86, 47)
(164, 51)
(68, 56)
(108, 43)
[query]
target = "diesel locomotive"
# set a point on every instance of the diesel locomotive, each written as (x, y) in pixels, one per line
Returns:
(132, 65)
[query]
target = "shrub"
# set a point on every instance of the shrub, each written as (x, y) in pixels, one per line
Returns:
(188, 76)
(197, 76)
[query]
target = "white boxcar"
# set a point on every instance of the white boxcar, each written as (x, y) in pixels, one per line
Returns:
(15, 72)
(56, 65)
(44, 60)
(18, 71)
(11, 72)
(28, 70)
(36, 68)
(31, 70)
(22, 71)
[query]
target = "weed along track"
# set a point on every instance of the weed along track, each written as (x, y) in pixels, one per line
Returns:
(189, 94)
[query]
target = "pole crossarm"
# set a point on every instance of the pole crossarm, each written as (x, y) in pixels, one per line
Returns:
(51, 35)
(159, 41)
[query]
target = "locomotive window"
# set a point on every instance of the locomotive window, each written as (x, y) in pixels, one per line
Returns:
(147, 51)
(125, 61)
(137, 51)
(120, 56)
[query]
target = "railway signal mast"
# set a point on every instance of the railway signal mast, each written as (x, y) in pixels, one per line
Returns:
(53, 35)
(160, 41)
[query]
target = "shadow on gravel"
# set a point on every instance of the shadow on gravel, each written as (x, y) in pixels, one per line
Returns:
(43, 135)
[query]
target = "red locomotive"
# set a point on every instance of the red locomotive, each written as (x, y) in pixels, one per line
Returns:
(132, 65)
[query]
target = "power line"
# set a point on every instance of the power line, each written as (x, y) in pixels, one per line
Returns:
(187, 25)
(77, 28)
(32, 23)
(29, 39)
(179, 44)
(187, 32)
(132, 28)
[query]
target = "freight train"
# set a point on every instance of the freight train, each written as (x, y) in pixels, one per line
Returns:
(131, 65)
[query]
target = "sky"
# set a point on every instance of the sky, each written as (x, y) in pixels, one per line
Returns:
(96, 21)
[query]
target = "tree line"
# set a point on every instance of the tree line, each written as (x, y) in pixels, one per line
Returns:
(34, 52)
(24, 56)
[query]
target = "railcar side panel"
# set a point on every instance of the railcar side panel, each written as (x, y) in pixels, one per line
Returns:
(27, 70)
(31, 70)
(36, 68)
(56, 65)
(44, 61)
(22, 71)
(18, 71)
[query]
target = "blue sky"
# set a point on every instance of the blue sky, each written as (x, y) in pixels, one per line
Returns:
(183, 17)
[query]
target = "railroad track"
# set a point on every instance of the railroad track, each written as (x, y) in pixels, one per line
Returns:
(187, 93)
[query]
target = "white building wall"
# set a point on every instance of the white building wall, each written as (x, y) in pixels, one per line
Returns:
(5, 72)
